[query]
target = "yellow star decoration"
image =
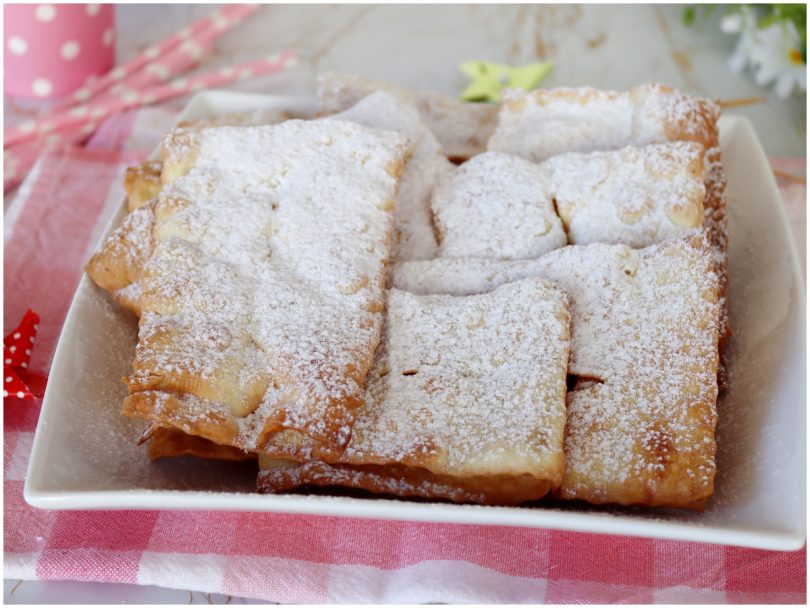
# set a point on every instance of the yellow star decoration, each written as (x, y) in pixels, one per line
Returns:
(489, 78)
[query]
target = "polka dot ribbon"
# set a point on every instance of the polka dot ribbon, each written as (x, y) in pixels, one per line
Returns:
(17, 380)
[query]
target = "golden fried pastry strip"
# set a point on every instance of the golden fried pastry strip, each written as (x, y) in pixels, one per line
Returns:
(395, 480)
(461, 128)
(644, 340)
(118, 263)
(142, 183)
(256, 309)
(467, 394)
(416, 238)
(169, 443)
(544, 123)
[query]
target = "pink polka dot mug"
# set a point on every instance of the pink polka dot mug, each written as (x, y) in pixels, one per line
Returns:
(53, 49)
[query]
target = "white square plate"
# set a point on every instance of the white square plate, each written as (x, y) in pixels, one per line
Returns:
(84, 454)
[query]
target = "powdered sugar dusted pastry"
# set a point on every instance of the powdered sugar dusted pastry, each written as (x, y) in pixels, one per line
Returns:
(467, 393)
(129, 297)
(644, 335)
(262, 302)
(276, 475)
(461, 128)
(637, 196)
(544, 123)
(497, 206)
(142, 183)
(119, 263)
(416, 236)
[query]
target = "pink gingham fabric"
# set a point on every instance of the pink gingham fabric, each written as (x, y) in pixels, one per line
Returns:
(296, 558)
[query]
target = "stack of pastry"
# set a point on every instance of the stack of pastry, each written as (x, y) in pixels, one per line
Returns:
(419, 297)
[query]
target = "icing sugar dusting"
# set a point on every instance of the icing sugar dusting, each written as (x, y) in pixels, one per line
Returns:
(120, 259)
(636, 196)
(462, 128)
(544, 123)
(455, 375)
(644, 333)
(383, 110)
(510, 200)
(132, 241)
(265, 288)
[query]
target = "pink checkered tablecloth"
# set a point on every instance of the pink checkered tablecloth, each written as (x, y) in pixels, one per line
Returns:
(49, 231)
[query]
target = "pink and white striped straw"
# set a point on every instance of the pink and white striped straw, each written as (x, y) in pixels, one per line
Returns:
(94, 113)
(78, 123)
(211, 27)
(176, 61)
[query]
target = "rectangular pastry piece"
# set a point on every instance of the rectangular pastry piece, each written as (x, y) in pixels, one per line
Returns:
(262, 300)
(465, 402)
(545, 123)
(496, 206)
(416, 237)
(635, 195)
(644, 334)
(462, 128)
(142, 182)
(117, 265)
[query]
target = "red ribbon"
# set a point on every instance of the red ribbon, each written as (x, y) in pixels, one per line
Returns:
(17, 380)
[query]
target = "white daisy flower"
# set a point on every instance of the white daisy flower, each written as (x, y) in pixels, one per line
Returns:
(777, 57)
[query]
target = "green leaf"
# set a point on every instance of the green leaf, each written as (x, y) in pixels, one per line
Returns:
(768, 20)
(688, 15)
